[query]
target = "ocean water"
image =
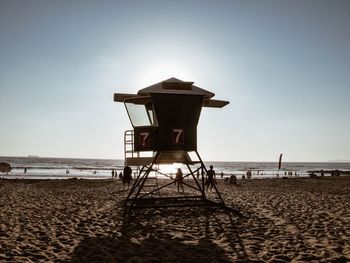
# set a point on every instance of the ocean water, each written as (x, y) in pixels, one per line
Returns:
(56, 168)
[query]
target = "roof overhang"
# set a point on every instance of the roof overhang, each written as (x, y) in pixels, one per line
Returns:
(132, 98)
(143, 100)
(215, 103)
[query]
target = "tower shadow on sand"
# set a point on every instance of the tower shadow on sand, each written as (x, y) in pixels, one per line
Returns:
(168, 235)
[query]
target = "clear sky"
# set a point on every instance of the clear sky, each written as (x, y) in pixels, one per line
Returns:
(283, 65)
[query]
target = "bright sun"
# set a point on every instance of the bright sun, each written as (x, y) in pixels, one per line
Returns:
(161, 70)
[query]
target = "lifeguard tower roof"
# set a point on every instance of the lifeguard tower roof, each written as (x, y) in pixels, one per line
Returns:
(175, 86)
(171, 86)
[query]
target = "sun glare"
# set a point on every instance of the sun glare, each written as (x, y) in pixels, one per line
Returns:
(169, 168)
(161, 70)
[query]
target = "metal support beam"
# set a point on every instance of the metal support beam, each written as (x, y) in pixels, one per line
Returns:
(136, 199)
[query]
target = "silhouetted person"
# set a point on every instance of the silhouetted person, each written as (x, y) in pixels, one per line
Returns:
(25, 170)
(249, 175)
(127, 178)
(211, 178)
(222, 175)
(322, 173)
(113, 174)
(233, 179)
(121, 176)
(67, 171)
(179, 179)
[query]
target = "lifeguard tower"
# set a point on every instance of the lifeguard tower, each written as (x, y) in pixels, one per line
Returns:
(164, 117)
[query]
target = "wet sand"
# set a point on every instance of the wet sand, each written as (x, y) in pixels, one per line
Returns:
(282, 220)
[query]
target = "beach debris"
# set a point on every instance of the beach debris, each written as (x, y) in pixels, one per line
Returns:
(313, 175)
(73, 178)
(5, 167)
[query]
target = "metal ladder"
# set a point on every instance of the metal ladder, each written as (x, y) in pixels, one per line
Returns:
(129, 151)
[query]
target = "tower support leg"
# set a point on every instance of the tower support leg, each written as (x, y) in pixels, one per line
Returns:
(135, 199)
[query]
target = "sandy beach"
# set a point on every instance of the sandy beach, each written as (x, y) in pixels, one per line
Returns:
(282, 220)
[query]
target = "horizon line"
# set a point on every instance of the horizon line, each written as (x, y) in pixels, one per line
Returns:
(222, 161)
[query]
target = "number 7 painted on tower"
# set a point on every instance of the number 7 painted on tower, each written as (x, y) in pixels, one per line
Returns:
(178, 136)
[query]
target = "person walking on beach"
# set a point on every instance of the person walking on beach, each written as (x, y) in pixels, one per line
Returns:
(113, 174)
(179, 180)
(249, 175)
(211, 177)
(127, 178)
